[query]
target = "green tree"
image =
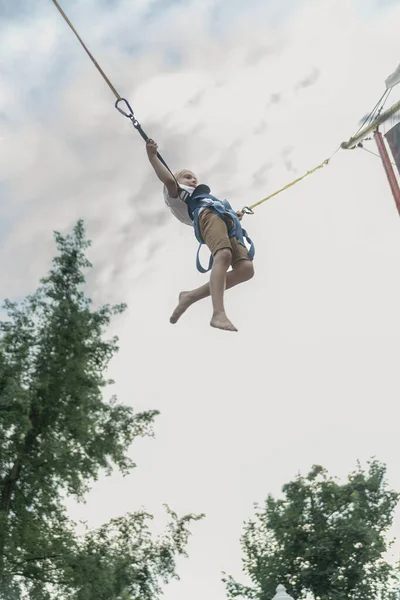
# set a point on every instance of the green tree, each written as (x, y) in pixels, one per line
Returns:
(322, 538)
(57, 434)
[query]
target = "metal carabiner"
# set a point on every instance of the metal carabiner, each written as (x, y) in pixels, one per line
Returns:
(247, 211)
(130, 115)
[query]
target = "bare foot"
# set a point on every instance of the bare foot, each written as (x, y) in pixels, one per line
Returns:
(184, 303)
(221, 321)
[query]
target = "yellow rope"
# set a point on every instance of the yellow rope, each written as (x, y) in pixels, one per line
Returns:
(108, 82)
(117, 95)
(325, 162)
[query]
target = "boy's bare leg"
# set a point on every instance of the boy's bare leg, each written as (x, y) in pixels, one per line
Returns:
(242, 271)
(222, 260)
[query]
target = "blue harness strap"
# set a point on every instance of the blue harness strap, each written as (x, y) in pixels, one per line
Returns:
(196, 202)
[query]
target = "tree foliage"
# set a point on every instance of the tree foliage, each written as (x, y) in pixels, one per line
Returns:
(57, 434)
(323, 538)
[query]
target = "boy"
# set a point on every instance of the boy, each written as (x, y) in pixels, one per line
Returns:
(211, 226)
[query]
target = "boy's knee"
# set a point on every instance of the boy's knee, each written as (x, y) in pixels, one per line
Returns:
(246, 269)
(224, 256)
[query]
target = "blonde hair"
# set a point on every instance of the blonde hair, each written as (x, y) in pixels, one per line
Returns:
(177, 176)
(183, 172)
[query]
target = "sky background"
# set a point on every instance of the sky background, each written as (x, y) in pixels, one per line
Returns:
(249, 97)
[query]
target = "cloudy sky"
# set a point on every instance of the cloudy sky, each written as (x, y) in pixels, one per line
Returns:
(249, 96)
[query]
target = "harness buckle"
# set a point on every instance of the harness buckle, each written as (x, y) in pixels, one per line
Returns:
(183, 194)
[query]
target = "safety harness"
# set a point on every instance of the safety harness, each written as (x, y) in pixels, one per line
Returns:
(202, 198)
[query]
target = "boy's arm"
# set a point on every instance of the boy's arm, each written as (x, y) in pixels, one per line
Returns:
(161, 171)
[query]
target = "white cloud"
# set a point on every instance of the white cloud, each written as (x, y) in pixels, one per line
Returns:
(311, 376)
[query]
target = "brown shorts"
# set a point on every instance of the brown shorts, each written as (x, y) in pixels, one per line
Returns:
(214, 231)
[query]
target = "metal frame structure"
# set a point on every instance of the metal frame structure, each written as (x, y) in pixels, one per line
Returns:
(383, 153)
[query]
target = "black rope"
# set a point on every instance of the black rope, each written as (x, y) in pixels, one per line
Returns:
(130, 115)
